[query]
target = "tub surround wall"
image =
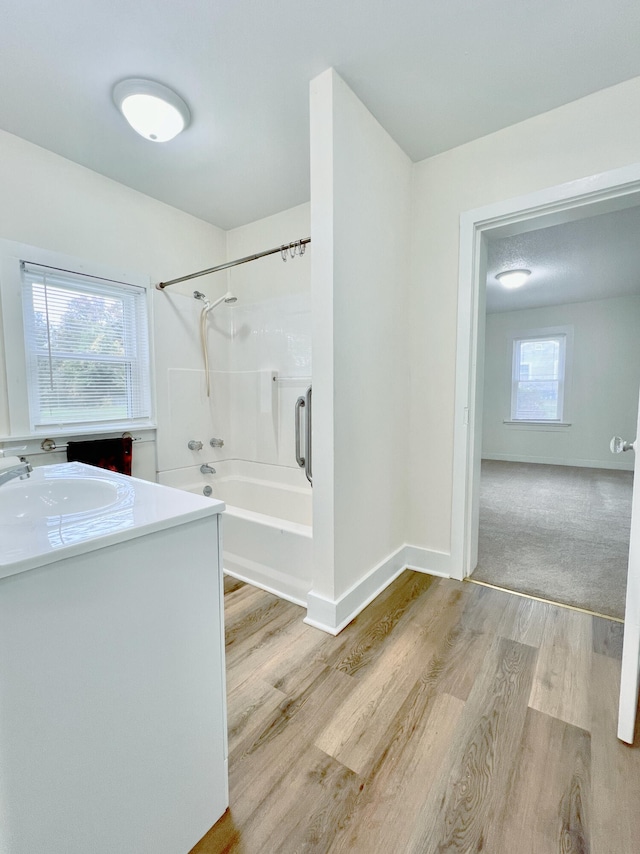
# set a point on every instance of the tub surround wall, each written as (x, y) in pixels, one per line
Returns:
(360, 210)
(270, 353)
(251, 411)
(262, 415)
(259, 353)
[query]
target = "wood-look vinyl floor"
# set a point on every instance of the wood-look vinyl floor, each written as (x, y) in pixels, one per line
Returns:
(448, 717)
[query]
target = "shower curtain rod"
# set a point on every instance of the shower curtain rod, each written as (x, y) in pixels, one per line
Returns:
(286, 247)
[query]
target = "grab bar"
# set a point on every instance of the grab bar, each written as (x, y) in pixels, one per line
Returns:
(300, 403)
(307, 466)
(304, 461)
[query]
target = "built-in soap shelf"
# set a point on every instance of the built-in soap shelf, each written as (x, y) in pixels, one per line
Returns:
(292, 382)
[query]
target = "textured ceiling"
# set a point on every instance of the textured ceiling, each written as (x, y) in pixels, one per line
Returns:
(589, 259)
(435, 74)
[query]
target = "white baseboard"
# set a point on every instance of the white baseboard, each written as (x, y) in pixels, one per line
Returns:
(332, 616)
(613, 463)
(429, 561)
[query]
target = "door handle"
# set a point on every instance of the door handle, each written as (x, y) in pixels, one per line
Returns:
(618, 445)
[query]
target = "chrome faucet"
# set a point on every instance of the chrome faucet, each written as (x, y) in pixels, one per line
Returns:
(22, 471)
(207, 469)
(194, 445)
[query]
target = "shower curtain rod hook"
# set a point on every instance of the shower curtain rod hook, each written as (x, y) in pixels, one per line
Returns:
(283, 253)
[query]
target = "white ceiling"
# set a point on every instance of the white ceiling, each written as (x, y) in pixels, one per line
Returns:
(435, 74)
(594, 258)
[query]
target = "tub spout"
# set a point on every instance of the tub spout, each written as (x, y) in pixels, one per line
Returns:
(207, 469)
(22, 470)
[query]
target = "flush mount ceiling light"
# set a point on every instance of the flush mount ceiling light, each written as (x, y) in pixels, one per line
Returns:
(513, 278)
(152, 110)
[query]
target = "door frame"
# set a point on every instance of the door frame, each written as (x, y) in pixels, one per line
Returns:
(585, 197)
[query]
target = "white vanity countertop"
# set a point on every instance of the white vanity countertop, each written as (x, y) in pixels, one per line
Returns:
(72, 508)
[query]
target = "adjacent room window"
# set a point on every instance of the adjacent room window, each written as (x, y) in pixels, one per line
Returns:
(87, 349)
(538, 378)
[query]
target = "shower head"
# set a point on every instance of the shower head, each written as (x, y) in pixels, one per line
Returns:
(228, 298)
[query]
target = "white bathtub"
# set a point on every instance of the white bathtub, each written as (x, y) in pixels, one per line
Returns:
(267, 534)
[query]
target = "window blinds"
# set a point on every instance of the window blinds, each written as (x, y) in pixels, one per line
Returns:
(87, 348)
(538, 379)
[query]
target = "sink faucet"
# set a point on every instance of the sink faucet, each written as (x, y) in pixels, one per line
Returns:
(207, 469)
(23, 470)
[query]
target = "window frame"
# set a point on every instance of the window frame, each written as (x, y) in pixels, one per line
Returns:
(562, 334)
(16, 364)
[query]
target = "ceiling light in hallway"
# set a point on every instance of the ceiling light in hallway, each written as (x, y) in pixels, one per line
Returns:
(513, 278)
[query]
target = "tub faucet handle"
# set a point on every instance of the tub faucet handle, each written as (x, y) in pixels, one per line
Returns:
(194, 445)
(216, 443)
(28, 468)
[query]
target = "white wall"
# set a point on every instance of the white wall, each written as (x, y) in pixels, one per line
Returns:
(605, 365)
(54, 204)
(360, 208)
(592, 135)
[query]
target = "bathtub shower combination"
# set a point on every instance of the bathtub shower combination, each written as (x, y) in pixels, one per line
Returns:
(267, 524)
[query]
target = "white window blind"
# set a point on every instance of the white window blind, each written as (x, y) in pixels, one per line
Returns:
(538, 378)
(87, 349)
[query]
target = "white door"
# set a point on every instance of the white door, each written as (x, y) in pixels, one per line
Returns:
(631, 647)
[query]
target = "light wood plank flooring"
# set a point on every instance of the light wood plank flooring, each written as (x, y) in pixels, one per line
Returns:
(448, 717)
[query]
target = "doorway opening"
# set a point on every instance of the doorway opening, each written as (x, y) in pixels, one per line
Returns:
(523, 458)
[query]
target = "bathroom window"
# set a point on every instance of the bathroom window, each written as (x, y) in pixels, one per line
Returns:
(538, 378)
(87, 349)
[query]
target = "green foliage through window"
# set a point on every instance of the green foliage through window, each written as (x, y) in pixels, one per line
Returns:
(87, 349)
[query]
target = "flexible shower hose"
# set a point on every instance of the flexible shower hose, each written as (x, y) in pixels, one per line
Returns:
(203, 340)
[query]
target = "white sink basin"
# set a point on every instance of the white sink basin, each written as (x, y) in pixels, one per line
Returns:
(67, 509)
(56, 497)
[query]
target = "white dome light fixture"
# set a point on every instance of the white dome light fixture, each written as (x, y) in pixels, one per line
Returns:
(153, 110)
(513, 278)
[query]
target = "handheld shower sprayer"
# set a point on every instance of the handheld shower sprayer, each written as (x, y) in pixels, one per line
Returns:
(229, 299)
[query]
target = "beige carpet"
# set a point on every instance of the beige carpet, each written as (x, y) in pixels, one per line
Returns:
(558, 532)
